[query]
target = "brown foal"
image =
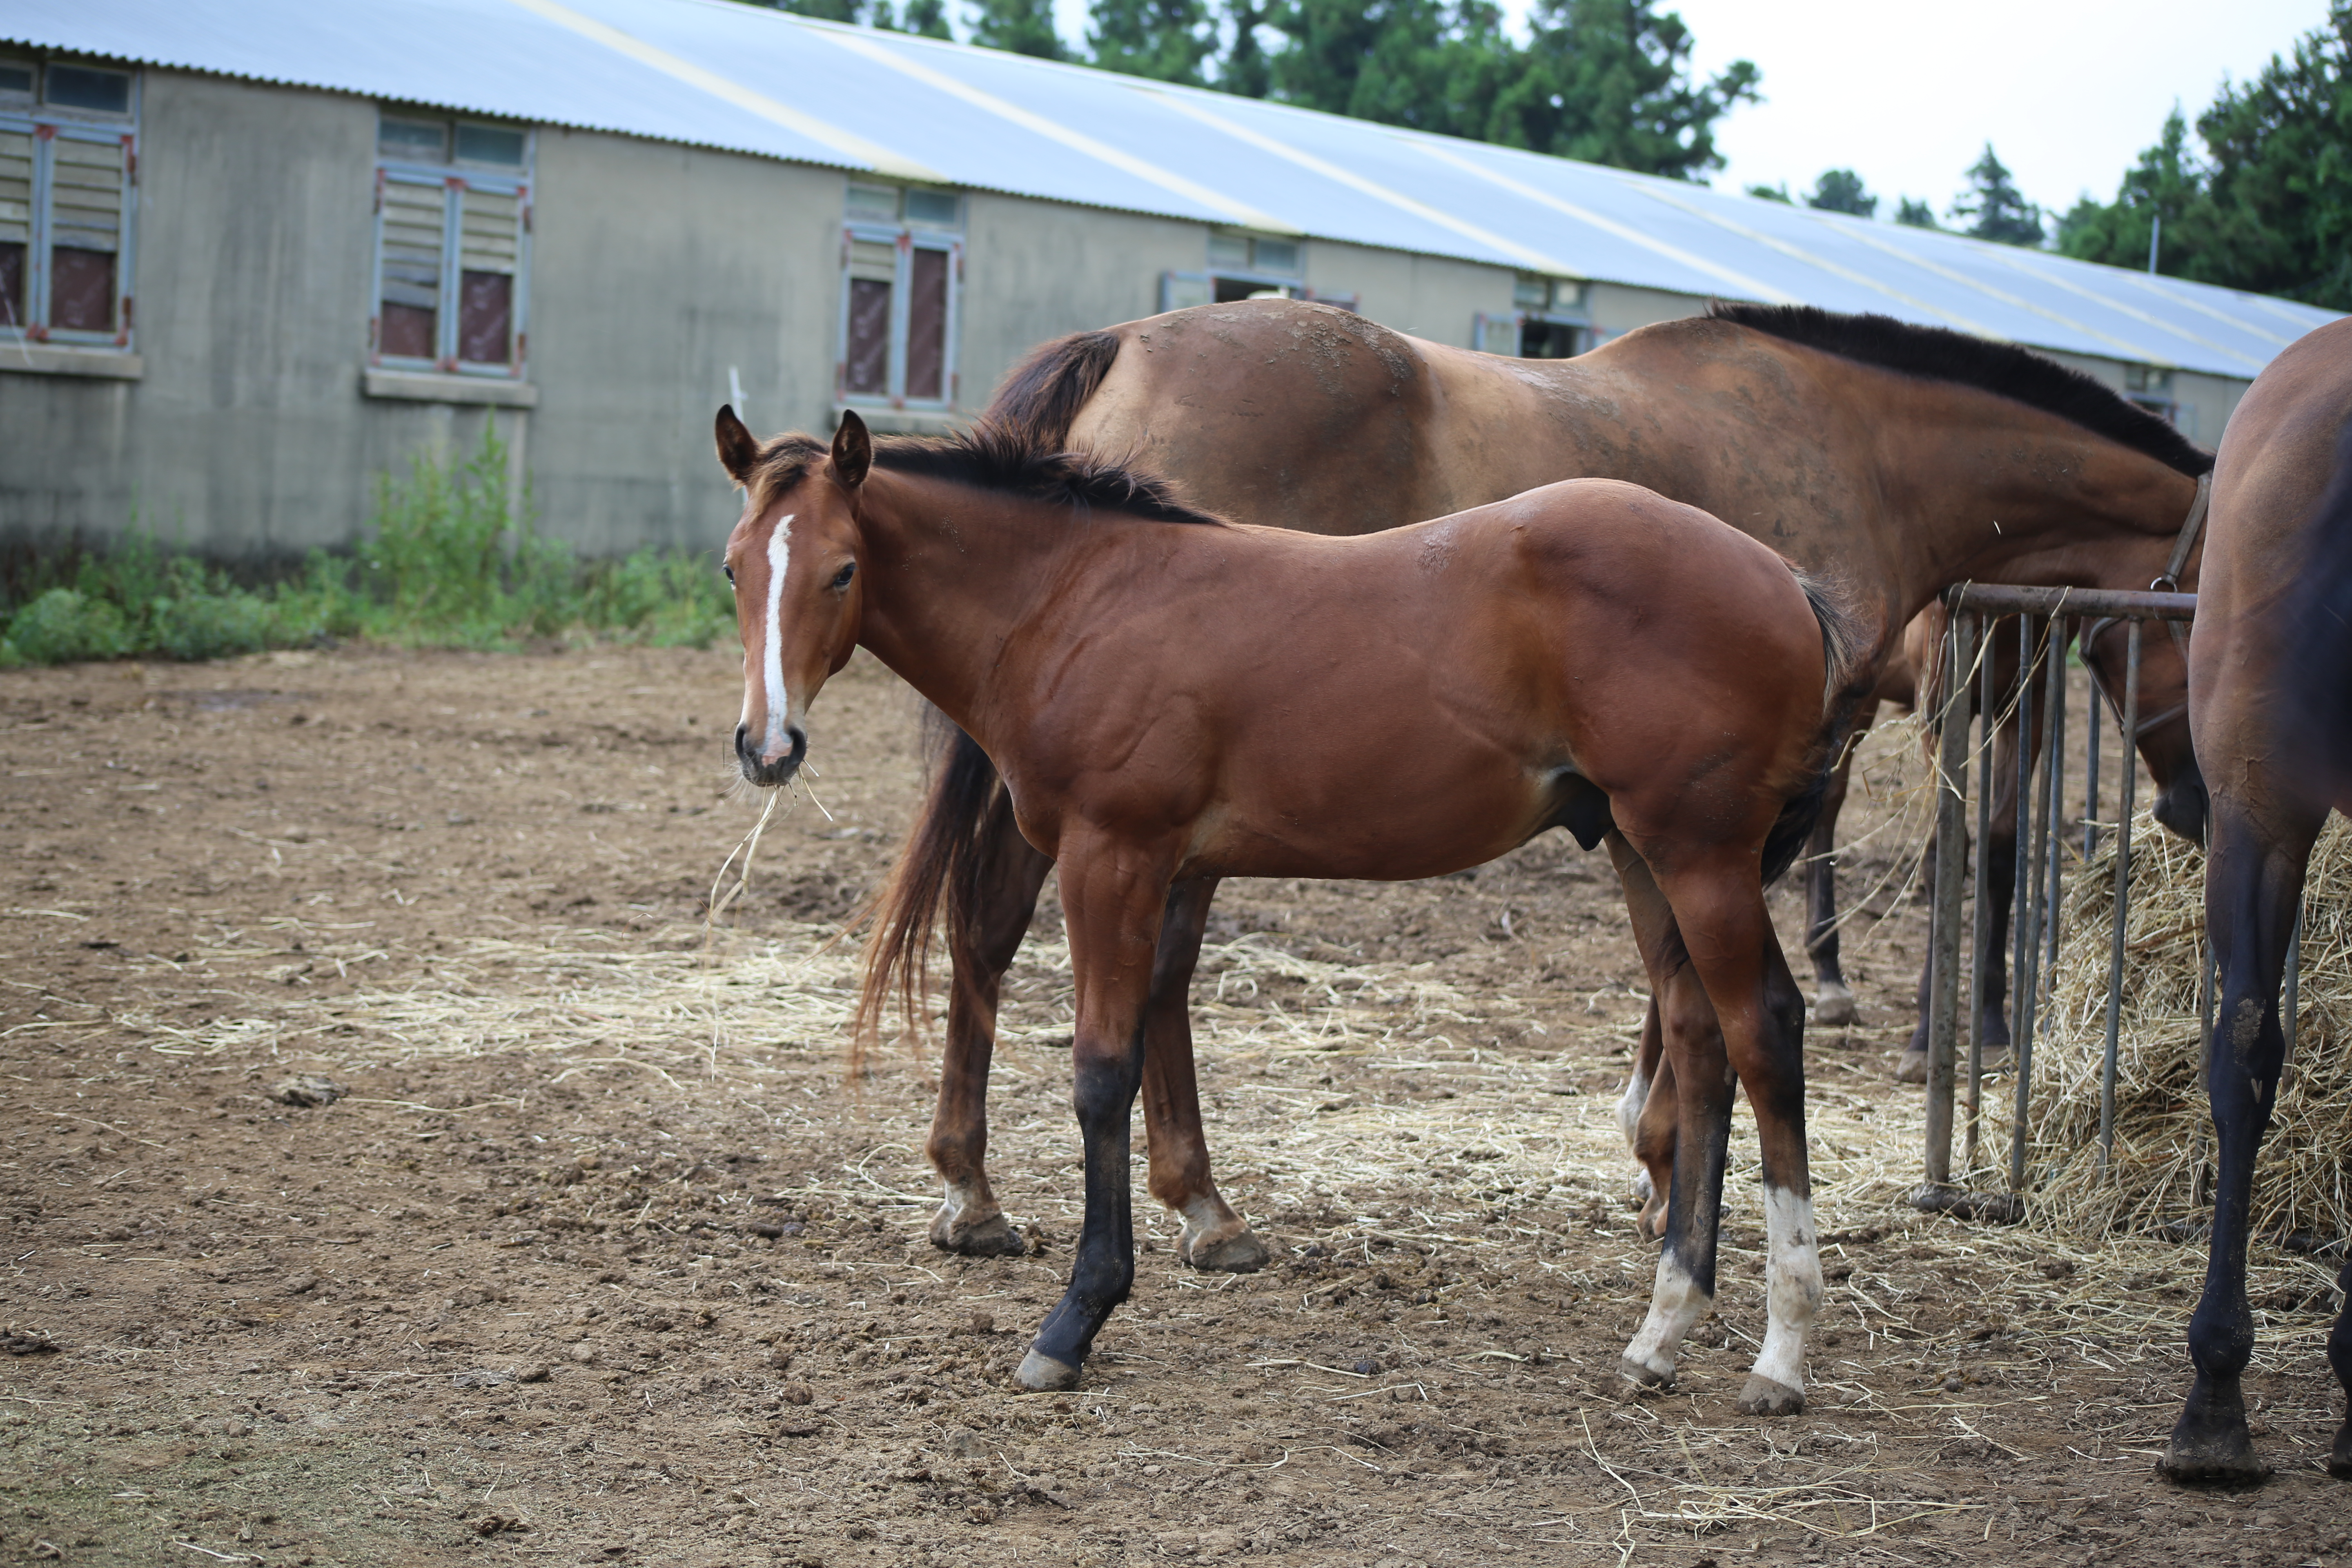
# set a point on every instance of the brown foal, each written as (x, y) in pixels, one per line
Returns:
(1170, 697)
(1903, 459)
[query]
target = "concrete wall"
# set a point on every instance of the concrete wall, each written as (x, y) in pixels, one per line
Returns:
(655, 269)
(1428, 296)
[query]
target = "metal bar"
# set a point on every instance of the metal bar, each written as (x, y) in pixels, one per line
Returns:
(2124, 790)
(2033, 835)
(1951, 869)
(1989, 706)
(2001, 599)
(2293, 977)
(2097, 738)
(2020, 940)
(2055, 831)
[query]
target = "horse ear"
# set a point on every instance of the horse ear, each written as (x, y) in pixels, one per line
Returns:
(738, 450)
(852, 450)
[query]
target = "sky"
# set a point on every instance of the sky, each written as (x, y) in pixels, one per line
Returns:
(1907, 93)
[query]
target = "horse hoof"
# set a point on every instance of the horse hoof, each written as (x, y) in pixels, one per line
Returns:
(1912, 1067)
(1764, 1396)
(2225, 1457)
(1833, 1006)
(991, 1238)
(1241, 1253)
(1043, 1374)
(1641, 1375)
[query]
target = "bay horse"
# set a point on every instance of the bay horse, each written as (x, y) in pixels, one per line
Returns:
(1904, 458)
(1171, 698)
(2270, 705)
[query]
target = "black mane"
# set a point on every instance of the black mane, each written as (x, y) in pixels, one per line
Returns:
(2003, 368)
(996, 456)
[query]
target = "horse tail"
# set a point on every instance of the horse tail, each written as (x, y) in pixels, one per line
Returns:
(1845, 685)
(1040, 398)
(937, 868)
(2319, 675)
(1036, 404)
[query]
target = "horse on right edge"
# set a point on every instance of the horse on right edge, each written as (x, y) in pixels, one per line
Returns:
(2270, 681)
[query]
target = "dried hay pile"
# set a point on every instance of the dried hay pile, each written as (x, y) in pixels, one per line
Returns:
(2163, 1170)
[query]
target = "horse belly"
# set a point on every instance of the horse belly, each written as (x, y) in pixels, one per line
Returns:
(1398, 828)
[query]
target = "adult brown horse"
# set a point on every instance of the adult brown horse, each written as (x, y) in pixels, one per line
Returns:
(1170, 699)
(1902, 457)
(2270, 704)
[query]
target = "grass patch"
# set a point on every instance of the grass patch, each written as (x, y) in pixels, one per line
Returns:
(454, 559)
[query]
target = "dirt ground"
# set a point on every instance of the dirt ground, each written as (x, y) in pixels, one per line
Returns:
(599, 1257)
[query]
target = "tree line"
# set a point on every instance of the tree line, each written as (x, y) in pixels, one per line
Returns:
(1603, 81)
(2262, 200)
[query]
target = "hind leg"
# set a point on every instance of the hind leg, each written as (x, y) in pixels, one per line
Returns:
(2253, 881)
(1003, 899)
(1646, 1111)
(1833, 998)
(1719, 905)
(1683, 1128)
(1214, 1236)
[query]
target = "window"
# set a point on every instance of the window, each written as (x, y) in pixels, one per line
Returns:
(453, 223)
(1240, 267)
(902, 270)
(1550, 322)
(2150, 386)
(69, 164)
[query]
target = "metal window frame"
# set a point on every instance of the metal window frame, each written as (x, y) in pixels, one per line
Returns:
(46, 126)
(904, 240)
(455, 180)
(1484, 323)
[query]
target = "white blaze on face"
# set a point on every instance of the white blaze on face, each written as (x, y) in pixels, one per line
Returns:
(1793, 1285)
(771, 660)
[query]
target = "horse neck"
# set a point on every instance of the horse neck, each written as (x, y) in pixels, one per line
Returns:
(950, 573)
(2006, 493)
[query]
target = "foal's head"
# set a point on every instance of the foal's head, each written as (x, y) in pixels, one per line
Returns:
(793, 559)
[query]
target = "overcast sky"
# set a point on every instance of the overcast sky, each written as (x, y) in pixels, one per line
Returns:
(1907, 94)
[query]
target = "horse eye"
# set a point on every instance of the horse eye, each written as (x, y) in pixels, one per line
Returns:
(731, 575)
(841, 578)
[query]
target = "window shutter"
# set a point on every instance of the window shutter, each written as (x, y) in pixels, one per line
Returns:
(15, 224)
(86, 184)
(873, 274)
(927, 323)
(490, 245)
(415, 216)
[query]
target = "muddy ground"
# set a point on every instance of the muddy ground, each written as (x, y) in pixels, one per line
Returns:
(599, 1257)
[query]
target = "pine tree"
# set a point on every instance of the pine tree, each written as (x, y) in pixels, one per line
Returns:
(2000, 211)
(1841, 191)
(1163, 39)
(1246, 70)
(1609, 81)
(1018, 26)
(927, 18)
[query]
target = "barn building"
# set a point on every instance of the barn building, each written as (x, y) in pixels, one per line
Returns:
(253, 252)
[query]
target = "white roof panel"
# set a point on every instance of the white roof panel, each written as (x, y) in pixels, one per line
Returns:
(720, 74)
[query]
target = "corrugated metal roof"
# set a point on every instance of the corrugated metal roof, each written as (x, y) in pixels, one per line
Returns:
(719, 74)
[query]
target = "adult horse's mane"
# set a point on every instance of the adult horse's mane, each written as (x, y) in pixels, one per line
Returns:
(1010, 456)
(2003, 368)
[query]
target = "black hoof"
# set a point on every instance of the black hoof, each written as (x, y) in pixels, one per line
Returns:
(2339, 1462)
(2210, 1445)
(991, 1238)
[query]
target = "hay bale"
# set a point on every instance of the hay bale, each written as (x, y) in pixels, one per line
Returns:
(2163, 1168)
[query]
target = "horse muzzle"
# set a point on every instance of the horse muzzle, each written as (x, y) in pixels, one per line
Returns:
(768, 767)
(2181, 803)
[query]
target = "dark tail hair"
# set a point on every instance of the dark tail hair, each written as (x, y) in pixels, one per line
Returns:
(1037, 402)
(2319, 677)
(1843, 686)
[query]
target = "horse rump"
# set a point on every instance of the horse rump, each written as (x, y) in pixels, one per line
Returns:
(2319, 675)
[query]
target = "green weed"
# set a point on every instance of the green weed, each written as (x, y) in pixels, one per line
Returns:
(453, 560)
